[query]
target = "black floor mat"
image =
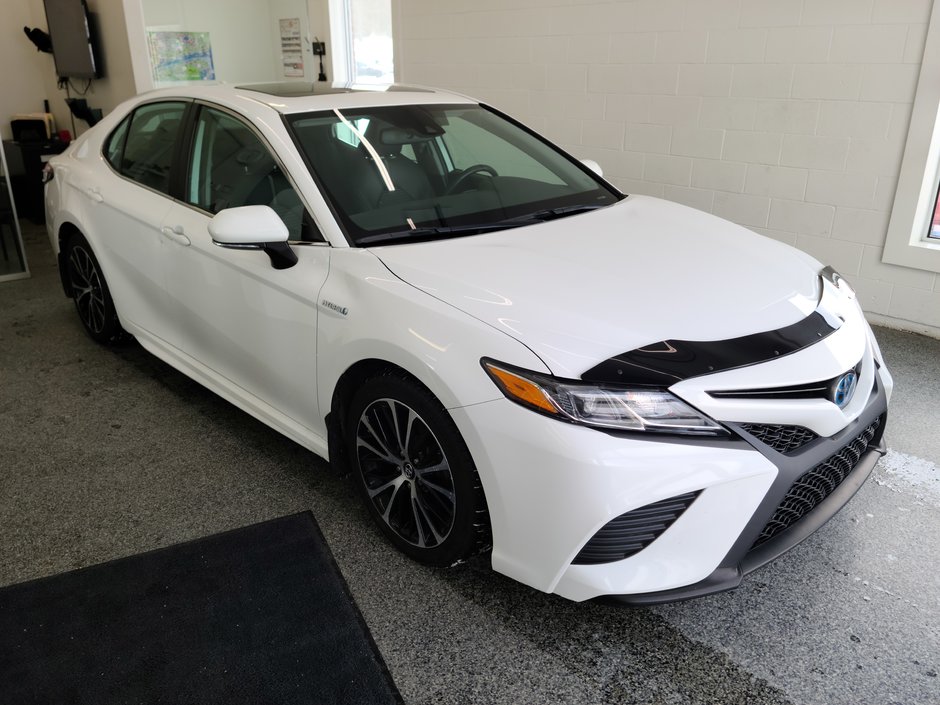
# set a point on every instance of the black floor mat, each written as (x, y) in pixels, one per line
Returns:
(256, 615)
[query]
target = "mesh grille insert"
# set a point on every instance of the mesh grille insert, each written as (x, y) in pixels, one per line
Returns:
(783, 439)
(632, 532)
(814, 485)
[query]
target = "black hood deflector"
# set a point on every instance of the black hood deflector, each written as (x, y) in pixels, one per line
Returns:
(670, 361)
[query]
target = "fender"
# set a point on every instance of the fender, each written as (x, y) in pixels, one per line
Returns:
(430, 339)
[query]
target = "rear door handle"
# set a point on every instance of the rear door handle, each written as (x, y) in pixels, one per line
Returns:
(94, 194)
(176, 234)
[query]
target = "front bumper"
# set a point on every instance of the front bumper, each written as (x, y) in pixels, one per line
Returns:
(551, 486)
(746, 557)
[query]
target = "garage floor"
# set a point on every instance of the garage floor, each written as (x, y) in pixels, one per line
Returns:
(106, 453)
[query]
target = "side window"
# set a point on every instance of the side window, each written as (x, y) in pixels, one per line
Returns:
(115, 145)
(231, 167)
(151, 144)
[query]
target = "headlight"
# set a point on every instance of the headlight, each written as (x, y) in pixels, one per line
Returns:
(624, 409)
(831, 275)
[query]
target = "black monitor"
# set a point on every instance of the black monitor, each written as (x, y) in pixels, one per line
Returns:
(71, 32)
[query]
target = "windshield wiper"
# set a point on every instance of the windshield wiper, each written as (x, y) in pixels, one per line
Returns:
(438, 231)
(471, 229)
(553, 213)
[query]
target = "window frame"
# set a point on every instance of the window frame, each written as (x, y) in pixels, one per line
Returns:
(106, 145)
(172, 185)
(191, 155)
(906, 242)
(188, 154)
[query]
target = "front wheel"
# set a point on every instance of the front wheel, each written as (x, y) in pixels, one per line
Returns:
(90, 292)
(415, 472)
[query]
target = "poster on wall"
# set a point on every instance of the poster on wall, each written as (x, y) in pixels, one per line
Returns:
(180, 56)
(292, 57)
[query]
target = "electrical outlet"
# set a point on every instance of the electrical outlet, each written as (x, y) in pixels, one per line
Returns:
(319, 48)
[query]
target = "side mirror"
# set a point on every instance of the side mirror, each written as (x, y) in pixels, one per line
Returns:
(253, 228)
(593, 166)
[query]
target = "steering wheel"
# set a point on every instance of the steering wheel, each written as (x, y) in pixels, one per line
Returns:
(467, 173)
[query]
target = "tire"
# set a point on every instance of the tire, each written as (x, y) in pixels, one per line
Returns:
(89, 291)
(414, 471)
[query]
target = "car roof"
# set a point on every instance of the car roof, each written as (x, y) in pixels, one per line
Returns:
(303, 96)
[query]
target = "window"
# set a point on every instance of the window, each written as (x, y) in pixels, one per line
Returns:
(422, 171)
(912, 232)
(468, 143)
(232, 167)
(933, 230)
(151, 144)
(350, 130)
(114, 148)
(362, 41)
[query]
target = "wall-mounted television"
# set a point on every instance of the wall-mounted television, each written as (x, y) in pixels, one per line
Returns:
(72, 35)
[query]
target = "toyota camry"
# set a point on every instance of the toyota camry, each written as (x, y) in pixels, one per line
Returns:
(614, 395)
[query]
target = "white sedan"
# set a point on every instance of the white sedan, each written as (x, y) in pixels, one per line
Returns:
(620, 396)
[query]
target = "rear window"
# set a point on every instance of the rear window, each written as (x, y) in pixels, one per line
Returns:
(149, 145)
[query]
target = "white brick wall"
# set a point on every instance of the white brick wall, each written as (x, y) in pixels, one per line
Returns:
(787, 116)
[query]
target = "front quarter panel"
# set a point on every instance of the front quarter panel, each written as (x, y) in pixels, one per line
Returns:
(367, 313)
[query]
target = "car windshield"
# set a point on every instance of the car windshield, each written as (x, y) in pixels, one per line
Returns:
(402, 173)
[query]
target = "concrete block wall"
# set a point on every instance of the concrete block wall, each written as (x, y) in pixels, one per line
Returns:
(787, 116)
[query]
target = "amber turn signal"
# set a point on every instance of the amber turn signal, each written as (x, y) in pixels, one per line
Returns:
(521, 389)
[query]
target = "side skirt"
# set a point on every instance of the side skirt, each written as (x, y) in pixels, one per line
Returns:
(231, 392)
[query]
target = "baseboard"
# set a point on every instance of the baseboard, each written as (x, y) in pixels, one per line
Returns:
(876, 319)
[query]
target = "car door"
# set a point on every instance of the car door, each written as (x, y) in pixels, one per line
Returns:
(128, 204)
(254, 327)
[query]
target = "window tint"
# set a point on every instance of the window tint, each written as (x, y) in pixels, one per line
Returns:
(350, 130)
(411, 169)
(231, 167)
(115, 146)
(469, 143)
(151, 144)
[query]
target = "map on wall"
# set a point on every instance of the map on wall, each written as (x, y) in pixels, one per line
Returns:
(181, 56)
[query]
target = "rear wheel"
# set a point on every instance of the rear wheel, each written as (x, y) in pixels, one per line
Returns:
(90, 292)
(415, 472)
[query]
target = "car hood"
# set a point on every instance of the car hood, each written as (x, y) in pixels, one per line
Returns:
(581, 289)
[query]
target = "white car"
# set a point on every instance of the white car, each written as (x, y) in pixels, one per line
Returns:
(621, 396)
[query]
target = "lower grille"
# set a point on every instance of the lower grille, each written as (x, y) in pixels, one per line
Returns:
(813, 486)
(630, 533)
(783, 439)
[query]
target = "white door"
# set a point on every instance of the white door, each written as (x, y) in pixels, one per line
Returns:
(252, 325)
(127, 209)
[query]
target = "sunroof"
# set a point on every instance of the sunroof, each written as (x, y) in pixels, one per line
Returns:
(288, 89)
(299, 89)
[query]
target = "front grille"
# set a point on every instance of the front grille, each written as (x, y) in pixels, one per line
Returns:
(810, 390)
(632, 532)
(783, 439)
(814, 485)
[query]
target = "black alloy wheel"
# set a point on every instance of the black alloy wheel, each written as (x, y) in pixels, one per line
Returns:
(415, 472)
(90, 292)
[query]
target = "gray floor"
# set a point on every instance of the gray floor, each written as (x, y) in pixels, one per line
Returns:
(106, 453)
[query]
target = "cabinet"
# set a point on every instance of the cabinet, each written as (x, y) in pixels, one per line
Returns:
(26, 161)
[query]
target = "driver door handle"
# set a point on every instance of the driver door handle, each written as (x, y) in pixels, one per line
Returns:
(175, 234)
